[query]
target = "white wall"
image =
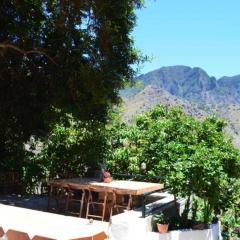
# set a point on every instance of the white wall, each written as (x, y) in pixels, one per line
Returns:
(130, 226)
(181, 235)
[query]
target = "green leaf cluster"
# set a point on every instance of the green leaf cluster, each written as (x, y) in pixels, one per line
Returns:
(73, 56)
(73, 147)
(193, 156)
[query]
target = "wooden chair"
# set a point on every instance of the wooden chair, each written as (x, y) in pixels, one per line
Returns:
(72, 190)
(56, 193)
(119, 193)
(94, 201)
(99, 236)
(84, 238)
(37, 237)
(16, 235)
(1, 232)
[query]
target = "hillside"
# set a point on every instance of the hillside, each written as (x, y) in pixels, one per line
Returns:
(150, 96)
(191, 88)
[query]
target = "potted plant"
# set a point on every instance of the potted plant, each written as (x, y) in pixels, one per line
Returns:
(162, 222)
(107, 176)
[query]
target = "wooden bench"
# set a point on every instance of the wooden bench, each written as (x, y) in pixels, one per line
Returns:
(10, 182)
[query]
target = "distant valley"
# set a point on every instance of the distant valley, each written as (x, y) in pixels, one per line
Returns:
(191, 88)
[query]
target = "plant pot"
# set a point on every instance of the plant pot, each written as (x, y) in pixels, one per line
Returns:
(107, 180)
(162, 228)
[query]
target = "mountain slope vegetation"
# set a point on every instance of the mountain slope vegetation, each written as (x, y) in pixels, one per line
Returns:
(191, 88)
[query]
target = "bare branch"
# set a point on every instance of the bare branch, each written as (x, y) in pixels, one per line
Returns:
(11, 46)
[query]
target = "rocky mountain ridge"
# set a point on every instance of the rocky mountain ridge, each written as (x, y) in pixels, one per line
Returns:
(191, 88)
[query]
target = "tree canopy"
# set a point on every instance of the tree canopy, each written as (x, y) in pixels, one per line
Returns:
(194, 157)
(69, 55)
(59, 57)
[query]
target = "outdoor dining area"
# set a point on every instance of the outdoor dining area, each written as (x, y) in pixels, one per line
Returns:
(95, 198)
(76, 208)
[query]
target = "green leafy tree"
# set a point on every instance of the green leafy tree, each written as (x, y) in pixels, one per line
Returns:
(69, 55)
(193, 156)
(73, 148)
(231, 218)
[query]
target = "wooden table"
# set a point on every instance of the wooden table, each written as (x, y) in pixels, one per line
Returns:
(134, 188)
(49, 225)
(131, 187)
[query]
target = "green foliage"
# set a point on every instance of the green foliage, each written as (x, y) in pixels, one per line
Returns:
(12, 157)
(73, 147)
(32, 172)
(194, 156)
(231, 217)
(161, 218)
(69, 55)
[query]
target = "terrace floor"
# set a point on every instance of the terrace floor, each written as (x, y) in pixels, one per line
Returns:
(36, 202)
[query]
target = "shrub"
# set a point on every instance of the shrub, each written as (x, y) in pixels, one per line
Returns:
(73, 147)
(161, 218)
(194, 156)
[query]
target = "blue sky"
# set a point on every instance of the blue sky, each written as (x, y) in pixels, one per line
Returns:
(200, 33)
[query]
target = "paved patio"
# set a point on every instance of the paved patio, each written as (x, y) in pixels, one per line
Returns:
(36, 202)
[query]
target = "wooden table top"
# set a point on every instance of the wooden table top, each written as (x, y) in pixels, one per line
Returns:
(130, 187)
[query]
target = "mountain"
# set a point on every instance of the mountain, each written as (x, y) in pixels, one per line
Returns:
(150, 96)
(191, 88)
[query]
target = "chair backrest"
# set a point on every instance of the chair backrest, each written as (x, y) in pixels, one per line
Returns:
(99, 236)
(75, 186)
(57, 183)
(16, 235)
(121, 192)
(118, 192)
(42, 238)
(98, 190)
(1, 232)
(95, 193)
(84, 238)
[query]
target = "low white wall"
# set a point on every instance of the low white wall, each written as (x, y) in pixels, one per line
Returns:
(213, 233)
(129, 226)
(181, 235)
(137, 230)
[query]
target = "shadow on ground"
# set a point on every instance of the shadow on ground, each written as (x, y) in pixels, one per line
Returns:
(35, 202)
